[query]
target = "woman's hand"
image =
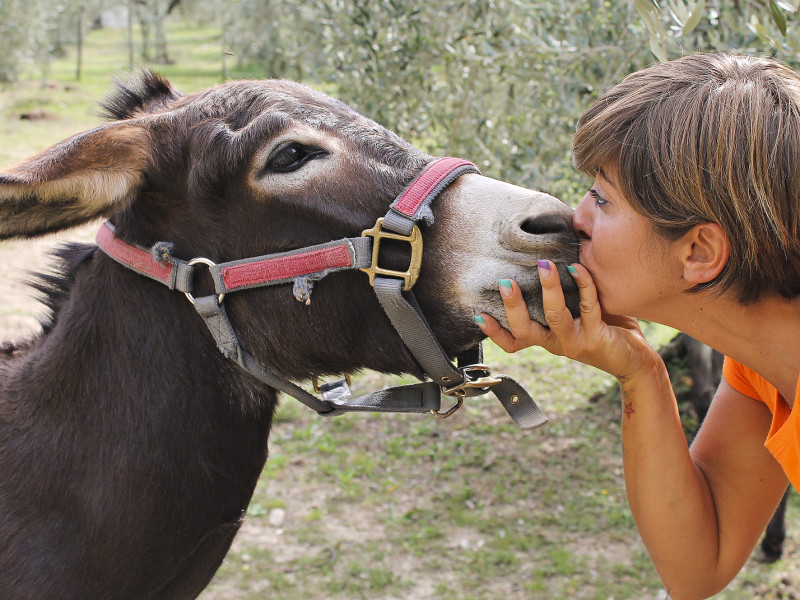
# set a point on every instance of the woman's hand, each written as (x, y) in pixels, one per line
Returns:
(612, 343)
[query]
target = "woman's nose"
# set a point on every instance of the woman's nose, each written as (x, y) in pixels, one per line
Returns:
(581, 218)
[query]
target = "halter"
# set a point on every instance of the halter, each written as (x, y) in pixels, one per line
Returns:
(307, 265)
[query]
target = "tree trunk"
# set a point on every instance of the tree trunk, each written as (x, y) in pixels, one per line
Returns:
(79, 43)
(130, 33)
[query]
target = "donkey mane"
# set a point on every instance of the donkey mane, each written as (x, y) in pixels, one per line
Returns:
(50, 288)
(144, 93)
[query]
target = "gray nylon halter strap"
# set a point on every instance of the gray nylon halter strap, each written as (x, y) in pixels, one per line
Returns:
(336, 399)
(411, 206)
(406, 316)
(404, 313)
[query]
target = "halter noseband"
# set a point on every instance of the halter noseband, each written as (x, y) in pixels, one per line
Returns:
(307, 265)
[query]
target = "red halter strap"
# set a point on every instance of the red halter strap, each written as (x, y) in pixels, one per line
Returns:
(133, 257)
(429, 183)
(310, 263)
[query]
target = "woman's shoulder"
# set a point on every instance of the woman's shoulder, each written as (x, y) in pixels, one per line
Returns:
(746, 381)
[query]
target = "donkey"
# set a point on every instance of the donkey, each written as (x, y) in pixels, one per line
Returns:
(130, 445)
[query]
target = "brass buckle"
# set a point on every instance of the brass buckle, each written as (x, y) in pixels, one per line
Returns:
(315, 382)
(408, 276)
(483, 380)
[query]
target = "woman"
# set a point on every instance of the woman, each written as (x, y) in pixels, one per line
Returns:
(693, 221)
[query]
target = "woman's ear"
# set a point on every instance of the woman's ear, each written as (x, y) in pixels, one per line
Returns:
(705, 253)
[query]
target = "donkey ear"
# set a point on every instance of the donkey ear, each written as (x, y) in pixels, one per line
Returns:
(90, 175)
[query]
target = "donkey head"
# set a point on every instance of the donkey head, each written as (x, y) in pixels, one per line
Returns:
(255, 167)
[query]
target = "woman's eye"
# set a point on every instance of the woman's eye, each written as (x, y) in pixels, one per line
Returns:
(598, 199)
(291, 157)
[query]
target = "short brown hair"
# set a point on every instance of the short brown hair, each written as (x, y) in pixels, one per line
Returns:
(709, 138)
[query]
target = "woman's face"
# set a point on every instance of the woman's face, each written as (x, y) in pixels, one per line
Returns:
(635, 270)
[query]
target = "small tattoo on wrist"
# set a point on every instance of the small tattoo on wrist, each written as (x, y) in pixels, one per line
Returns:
(629, 410)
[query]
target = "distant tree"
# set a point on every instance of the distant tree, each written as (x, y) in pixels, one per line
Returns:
(69, 24)
(35, 30)
(744, 26)
(281, 37)
(503, 81)
(498, 81)
(152, 15)
(22, 29)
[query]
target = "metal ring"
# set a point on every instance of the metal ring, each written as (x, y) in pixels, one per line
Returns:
(315, 382)
(208, 263)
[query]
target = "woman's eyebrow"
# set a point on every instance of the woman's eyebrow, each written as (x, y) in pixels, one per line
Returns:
(605, 176)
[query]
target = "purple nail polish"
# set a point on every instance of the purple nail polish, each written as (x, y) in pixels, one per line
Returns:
(543, 264)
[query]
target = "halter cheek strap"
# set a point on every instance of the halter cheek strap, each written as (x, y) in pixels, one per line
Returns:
(393, 289)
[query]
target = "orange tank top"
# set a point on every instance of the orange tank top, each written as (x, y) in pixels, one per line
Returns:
(783, 441)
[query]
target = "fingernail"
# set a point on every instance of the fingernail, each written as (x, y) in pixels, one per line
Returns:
(544, 265)
(572, 270)
(505, 288)
(479, 320)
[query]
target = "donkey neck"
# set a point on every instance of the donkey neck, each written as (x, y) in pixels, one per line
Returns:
(136, 339)
(150, 442)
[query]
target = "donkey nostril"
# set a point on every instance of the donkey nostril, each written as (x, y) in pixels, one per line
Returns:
(545, 223)
(545, 230)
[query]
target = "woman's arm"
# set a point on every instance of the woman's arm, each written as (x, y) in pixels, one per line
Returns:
(699, 512)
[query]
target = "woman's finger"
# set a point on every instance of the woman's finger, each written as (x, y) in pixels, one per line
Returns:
(497, 333)
(522, 332)
(519, 319)
(556, 313)
(591, 311)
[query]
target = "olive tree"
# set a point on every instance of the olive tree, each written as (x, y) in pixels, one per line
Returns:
(498, 81)
(34, 30)
(501, 82)
(764, 27)
(23, 29)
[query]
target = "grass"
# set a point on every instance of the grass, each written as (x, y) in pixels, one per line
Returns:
(406, 506)
(73, 105)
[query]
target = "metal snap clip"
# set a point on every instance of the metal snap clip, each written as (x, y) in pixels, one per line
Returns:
(449, 413)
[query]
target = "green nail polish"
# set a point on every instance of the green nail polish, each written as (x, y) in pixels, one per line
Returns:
(506, 283)
(479, 320)
(572, 270)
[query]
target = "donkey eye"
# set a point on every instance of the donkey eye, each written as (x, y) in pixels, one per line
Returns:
(290, 157)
